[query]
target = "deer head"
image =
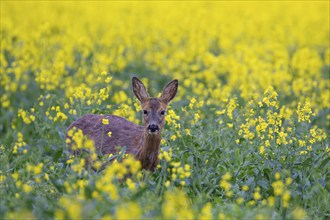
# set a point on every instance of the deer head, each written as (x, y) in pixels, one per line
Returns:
(154, 109)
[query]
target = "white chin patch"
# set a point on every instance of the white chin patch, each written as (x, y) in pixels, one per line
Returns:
(152, 133)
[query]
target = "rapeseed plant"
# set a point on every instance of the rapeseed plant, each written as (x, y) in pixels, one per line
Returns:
(247, 138)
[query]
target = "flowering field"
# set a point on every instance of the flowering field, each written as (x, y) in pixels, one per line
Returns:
(247, 136)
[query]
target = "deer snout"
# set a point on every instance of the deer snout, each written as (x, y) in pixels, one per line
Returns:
(153, 128)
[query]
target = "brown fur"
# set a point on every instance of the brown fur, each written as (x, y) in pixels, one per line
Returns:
(137, 139)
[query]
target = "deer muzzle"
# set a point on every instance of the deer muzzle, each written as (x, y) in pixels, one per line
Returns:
(153, 128)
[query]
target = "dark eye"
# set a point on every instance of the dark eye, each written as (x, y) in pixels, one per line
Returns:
(145, 112)
(162, 112)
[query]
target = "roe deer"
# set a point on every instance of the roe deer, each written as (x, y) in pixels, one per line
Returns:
(140, 141)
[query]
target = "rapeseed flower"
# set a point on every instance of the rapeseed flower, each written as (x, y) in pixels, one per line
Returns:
(105, 121)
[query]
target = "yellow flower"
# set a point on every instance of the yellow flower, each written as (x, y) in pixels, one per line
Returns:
(27, 119)
(105, 121)
(167, 183)
(196, 117)
(221, 112)
(226, 176)
(288, 181)
(239, 200)
(277, 175)
(304, 112)
(278, 187)
(299, 213)
(260, 217)
(229, 194)
(15, 175)
(256, 196)
(303, 152)
(206, 212)
(5, 101)
(245, 188)
(175, 205)
(2, 178)
(222, 216)
(285, 198)
(72, 207)
(130, 184)
(231, 106)
(17, 196)
(108, 79)
(27, 188)
(106, 217)
(225, 185)
(38, 168)
(173, 137)
(192, 102)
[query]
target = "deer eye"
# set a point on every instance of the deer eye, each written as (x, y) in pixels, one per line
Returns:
(162, 112)
(145, 112)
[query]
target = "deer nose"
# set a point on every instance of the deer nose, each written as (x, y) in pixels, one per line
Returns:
(153, 127)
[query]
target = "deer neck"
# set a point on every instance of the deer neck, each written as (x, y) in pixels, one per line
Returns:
(148, 150)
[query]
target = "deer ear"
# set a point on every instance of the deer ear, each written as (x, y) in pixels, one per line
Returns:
(169, 91)
(139, 89)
